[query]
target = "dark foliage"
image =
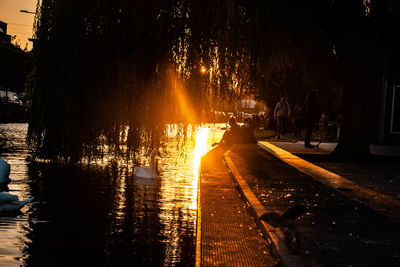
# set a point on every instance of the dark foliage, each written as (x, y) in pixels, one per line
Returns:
(14, 64)
(110, 74)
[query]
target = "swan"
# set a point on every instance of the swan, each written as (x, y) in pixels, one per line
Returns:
(4, 171)
(9, 202)
(148, 172)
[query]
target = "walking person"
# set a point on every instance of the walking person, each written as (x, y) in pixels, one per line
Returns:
(298, 116)
(311, 116)
(281, 114)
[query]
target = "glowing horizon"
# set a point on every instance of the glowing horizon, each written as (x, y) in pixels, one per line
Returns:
(18, 24)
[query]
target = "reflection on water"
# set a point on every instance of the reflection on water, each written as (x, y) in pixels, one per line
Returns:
(13, 226)
(102, 216)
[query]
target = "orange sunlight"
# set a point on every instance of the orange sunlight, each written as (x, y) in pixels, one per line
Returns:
(182, 99)
(199, 151)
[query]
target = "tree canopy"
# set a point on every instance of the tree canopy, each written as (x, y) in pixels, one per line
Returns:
(111, 73)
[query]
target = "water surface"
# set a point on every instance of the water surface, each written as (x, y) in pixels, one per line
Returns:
(102, 215)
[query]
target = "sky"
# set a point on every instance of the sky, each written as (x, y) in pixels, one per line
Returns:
(19, 24)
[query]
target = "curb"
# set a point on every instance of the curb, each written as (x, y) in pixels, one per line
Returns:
(274, 236)
(198, 224)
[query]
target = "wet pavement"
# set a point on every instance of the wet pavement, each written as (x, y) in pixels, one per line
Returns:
(381, 173)
(383, 177)
(381, 203)
(337, 230)
(229, 235)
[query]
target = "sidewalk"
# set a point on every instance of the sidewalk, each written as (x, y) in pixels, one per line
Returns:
(381, 175)
(226, 233)
(347, 224)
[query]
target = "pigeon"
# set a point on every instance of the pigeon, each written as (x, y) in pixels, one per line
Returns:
(291, 234)
(286, 219)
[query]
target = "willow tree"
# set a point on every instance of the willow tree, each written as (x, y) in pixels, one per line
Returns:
(100, 79)
(215, 36)
(110, 74)
(350, 45)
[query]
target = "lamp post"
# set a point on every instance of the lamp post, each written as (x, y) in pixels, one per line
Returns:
(203, 100)
(33, 39)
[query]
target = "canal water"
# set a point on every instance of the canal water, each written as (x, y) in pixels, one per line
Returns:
(102, 215)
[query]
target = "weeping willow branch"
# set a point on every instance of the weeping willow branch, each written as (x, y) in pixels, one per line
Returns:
(110, 74)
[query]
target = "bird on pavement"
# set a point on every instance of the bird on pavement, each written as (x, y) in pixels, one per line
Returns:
(286, 219)
(291, 234)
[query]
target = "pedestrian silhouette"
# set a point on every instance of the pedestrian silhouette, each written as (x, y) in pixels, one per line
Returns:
(298, 116)
(311, 116)
(281, 114)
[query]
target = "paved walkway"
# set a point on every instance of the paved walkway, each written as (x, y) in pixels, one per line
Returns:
(381, 174)
(340, 229)
(297, 147)
(227, 234)
(381, 203)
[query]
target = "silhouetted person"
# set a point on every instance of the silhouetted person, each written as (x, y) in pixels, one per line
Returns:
(298, 116)
(248, 131)
(325, 120)
(311, 116)
(281, 114)
(232, 135)
(256, 120)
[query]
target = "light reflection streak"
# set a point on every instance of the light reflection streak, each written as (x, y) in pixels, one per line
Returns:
(13, 230)
(178, 201)
(199, 151)
(169, 200)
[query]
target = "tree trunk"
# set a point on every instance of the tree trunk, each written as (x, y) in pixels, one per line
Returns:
(354, 136)
(357, 58)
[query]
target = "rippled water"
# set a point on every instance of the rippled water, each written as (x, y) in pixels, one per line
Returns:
(101, 216)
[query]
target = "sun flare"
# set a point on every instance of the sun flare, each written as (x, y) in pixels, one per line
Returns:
(199, 150)
(201, 146)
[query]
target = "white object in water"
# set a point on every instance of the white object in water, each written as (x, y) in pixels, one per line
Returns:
(4, 171)
(9, 202)
(148, 172)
